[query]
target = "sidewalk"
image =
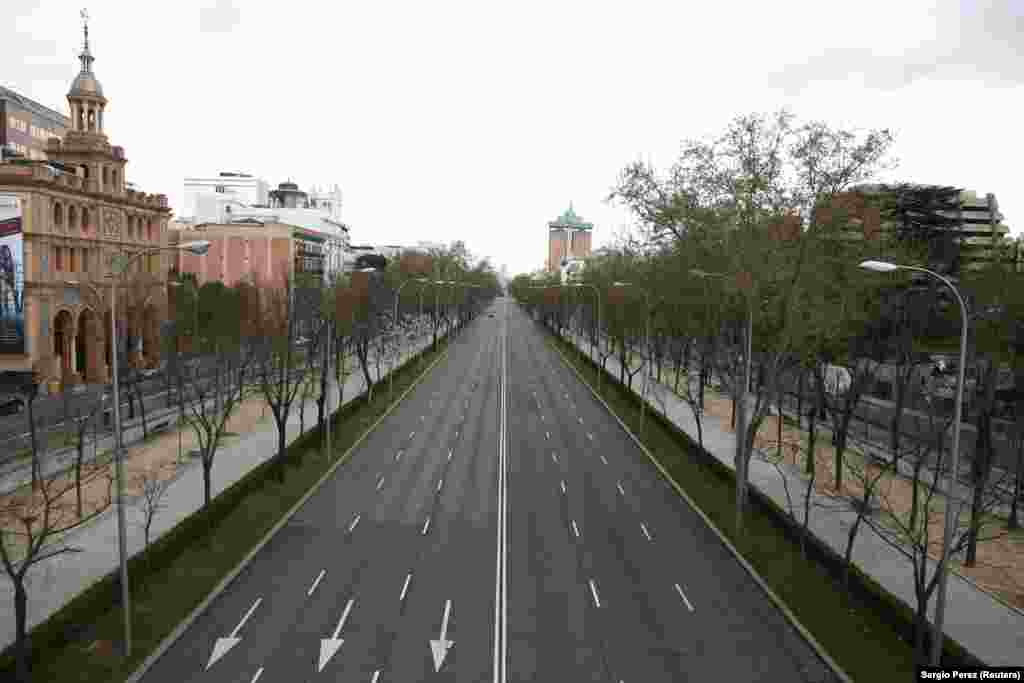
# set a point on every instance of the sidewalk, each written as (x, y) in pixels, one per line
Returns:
(989, 629)
(53, 583)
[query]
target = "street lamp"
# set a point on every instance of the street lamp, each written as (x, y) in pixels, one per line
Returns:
(952, 511)
(597, 295)
(647, 335)
(119, 266)
(742, 407)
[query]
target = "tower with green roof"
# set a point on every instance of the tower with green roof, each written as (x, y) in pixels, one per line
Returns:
(568, 239)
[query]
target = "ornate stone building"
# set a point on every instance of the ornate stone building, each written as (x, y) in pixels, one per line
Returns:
(73, 213)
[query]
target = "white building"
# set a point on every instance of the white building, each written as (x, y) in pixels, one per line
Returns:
(238, 187)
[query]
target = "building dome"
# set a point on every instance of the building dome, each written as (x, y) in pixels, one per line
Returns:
(86, 84)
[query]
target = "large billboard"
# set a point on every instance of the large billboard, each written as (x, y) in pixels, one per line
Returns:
(12, 275)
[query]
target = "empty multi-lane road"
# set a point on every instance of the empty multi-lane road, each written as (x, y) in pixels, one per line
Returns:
(497, 526)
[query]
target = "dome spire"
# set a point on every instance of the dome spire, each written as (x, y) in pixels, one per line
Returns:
(85, 57)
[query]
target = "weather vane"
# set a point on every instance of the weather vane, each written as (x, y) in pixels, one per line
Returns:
(85, 25)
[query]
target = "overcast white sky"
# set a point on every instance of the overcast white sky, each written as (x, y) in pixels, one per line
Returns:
(480, 121)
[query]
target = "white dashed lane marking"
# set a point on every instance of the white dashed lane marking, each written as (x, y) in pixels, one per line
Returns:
(646, 532)
(618, 485)
(680, 591)
(593, 591)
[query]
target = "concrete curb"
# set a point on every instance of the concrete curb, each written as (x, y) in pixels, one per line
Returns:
(819, 650)
(227, 580)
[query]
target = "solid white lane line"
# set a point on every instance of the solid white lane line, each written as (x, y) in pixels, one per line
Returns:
(353, 524)
(405, 587)
(380, 482)
(604, 459)
(646, 532)
(257, 676)
(426, 525)
(680, 591)
(316, 583)
(563, 486)
(439, 483)
(618, 485)
(575, 529)
(593, 590)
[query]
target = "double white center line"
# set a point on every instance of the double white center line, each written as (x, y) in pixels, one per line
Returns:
(501, 569)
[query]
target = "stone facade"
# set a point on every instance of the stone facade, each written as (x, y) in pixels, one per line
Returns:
(76, 214)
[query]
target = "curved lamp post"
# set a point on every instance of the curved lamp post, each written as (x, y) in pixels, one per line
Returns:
(119, 266)
(597, 295)
(647, 344)
(952, 511)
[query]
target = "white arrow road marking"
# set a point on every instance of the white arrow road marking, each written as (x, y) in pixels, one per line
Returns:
(353, 524)
(646, 532)
(604, 460)
(575, 529)
(426, 525)
(257, 675)
(680, 591)
(380, 482)
(439, 648)
(405, 587)
(593, 590)
(563, 485)
(622, 493)
(316, 583)
(221, 647)
(329, 646)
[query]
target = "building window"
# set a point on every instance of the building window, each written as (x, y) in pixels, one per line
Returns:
(58, 259)
(71, 260)
(85, 220)
(220, 189)
(58, 214)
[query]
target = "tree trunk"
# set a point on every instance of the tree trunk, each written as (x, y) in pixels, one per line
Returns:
(23, 652)
(282, 446)
(207, 478)
(982, 461)
(801, 386)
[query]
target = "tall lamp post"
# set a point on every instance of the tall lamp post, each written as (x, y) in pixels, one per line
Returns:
(119, 266)
(952, 511)
(647, 344)
(597, 295)
(391, 387)
(742, 404)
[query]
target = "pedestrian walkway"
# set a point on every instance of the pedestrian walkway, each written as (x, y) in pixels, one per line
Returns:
(988, 628)
(53, 583)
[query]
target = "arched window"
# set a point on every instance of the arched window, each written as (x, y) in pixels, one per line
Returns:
(58, 214)
(106, 177)
(85, 220)
(113, 179)
(72, 217)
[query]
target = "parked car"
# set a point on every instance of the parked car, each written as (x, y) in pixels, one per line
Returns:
(11, 405)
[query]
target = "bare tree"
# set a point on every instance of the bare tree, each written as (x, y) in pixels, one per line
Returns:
(81, 422)
(31, 531)
(153, 488)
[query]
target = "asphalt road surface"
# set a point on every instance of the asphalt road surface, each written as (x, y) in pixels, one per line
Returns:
(497, 526)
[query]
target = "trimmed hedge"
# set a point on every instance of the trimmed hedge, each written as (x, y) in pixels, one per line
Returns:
(863, 587)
